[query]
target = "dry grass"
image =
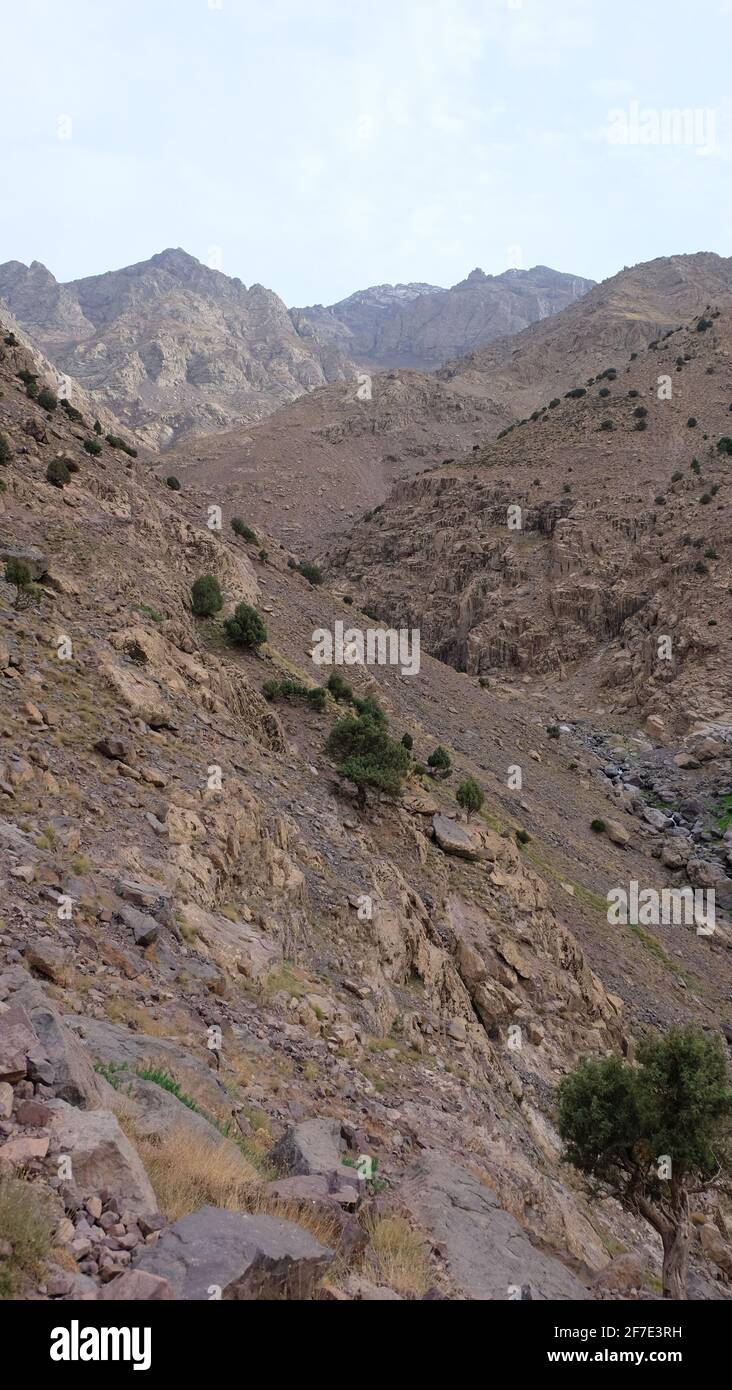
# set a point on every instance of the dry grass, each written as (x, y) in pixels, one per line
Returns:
(397, 1256)
(188, 1171)
(26, 1221)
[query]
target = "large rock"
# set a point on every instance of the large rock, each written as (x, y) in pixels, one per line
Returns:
(101, 1156)
(486, 1251)
(454, 838)
(236, 946)
(246, 1257)
(17, 1042)
(314, 1146)
(71, 1072)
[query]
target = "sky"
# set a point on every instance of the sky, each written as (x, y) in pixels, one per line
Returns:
(320, 146)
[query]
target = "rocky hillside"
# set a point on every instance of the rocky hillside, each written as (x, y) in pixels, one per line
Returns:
(242, 1018)
(561, 553)
(422, 326)
(306, 471)
(169, 345)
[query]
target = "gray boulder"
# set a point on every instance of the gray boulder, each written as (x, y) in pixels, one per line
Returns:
(101, 1156)
(314, 1146)
(245, 1257)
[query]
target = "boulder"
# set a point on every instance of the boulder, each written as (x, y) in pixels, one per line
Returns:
(247, 1257)
(71, 1073)
(486, 1251)
(101, 1156)
(17, 1042)
(314, 1146)
(617, 833)
(144, 928)
(620, 1275)
(236, 946)
(718, 1250)
(454, 838)
(136, 1285)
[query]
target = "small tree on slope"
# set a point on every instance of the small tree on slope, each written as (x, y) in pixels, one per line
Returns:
(652, 1134)
(365, 754)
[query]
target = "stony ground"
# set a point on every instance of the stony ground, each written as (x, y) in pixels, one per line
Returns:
(253, 1038)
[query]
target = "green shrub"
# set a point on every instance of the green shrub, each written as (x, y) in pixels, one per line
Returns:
(469, 796)
(240, 528)
(263, 556)
(692, 422)
(553, 404)
(523, 837)
(439, 759)
(71, 410)
(97, 427)
(18, 574)
(724, 445)
(598, 825)
(347, 598)
(695, 466)
(367, 756)
(407, 742)
(27, 1221)
(46, 399)
(92, 446)
(6, 452)
(116, 441)
(206, 596)
(575, 394)
(703, 325)
(607, 425)
(553, 730)
(245, 628)
(312, 573)
(10, 340)
(339, 688)
(640, 412)
(173, 483)
(369, 708)
(604, 391)
(288, 689)
(676, 476)
(58, 473)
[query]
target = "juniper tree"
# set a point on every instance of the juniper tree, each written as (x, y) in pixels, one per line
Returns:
(365, 754)
(651, 1135)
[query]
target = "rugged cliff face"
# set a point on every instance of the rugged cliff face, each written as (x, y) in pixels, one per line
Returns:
(170, 345)
(422, 326)
(223, 985)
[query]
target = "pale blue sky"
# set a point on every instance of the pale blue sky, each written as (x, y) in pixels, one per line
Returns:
(319, 146)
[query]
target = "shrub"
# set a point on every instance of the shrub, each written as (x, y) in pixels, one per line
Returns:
(6, 453)
(676, 476)
(607, 425)
(312, 573)
(553, 730)
(18, 574)
(598, 825)
(523, 837)
(407, 742)
(605, 391)
(575, 394)
(58, 473)
(703, 325)
(711, 553)
(10, 340)
(469, 796)
(695, 466)
(245, 628)
(640, 412)
(641, 424)
(439, 759)
(369, 708)
(117, 442)
(660, 501)
(617, 1119)
(71, 410)
(46, 399)
(553, 404)
(295, 690)
(263, 556)
(724, 445)
(240, 528)
(567, 487)
(367, 756)
(339, 688)
(206, 596)
(347, 598)
(92, 446)
(27, 1221)
(173, 483)
(692, 422)
(705, 499)
(97, 427)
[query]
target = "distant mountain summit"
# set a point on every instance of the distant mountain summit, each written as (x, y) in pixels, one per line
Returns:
(423, 326)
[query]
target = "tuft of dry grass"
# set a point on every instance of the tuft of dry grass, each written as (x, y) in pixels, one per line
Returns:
(397, 1256)
(27, 1221)
(188, 1171)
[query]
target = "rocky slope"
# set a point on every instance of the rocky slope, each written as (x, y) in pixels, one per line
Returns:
(564, 552)
(169, 345)
(225, 992)
(422, 326)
